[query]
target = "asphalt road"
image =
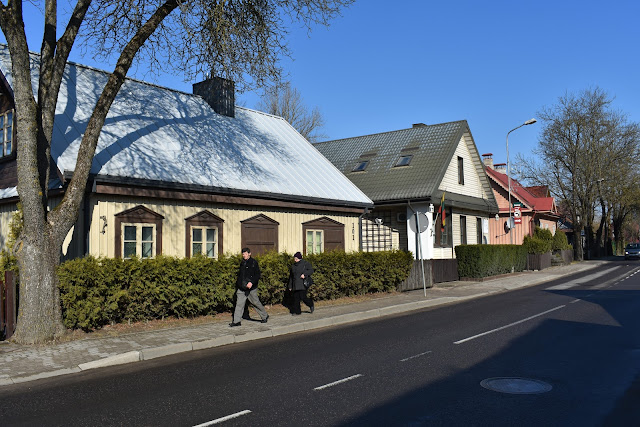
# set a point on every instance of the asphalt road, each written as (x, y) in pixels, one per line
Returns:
(563, 353)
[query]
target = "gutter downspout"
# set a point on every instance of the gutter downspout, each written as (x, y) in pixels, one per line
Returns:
(366, 211)
(419, 246)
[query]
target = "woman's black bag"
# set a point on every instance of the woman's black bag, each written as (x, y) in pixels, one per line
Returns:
(307, 282)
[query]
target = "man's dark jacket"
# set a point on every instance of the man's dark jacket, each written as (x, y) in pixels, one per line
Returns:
(297, 269)
(249, 272)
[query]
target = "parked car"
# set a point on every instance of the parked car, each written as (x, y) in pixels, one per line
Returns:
(632, 250)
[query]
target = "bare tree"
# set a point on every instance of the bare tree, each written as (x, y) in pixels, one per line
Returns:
(285, 101)
(241, 40)
(585, 150)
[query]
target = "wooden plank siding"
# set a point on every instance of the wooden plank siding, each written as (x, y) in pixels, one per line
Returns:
(471, 187)
(290, 235)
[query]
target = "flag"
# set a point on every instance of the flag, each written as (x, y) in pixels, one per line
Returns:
(441, 211)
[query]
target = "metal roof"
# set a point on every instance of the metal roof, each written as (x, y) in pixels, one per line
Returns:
(153, 133)
(432, 148)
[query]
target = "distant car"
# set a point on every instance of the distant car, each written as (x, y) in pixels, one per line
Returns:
(632, 250)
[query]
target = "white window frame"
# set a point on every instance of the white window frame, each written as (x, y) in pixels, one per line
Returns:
(7, 133)
(204, 241)
(313, 243)
(139, 242)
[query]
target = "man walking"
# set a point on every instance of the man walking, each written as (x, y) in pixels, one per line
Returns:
(247, 288)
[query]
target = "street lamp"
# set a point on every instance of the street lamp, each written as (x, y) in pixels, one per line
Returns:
(528, 122)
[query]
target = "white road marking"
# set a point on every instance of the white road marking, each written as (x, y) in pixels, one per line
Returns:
(223, 419)
(413, 357)
(344, 380)
(580, 281)
(509, 325)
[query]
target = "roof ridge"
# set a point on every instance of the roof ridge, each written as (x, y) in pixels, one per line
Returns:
(392, 131)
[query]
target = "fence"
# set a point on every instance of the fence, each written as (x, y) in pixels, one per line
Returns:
(8, 306)
(435, 271)
(538, 261)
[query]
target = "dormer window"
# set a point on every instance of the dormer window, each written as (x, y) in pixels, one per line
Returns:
(361, 166)
(404, 160)
(6, 133)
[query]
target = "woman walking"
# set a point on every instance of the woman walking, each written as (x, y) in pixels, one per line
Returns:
(300, 270)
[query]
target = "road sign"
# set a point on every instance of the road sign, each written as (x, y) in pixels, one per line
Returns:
(421, 224)
(517, 214)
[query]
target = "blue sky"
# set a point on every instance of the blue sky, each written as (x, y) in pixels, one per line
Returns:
(385, 65)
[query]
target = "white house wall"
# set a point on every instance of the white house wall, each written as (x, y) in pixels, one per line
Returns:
(472, 185)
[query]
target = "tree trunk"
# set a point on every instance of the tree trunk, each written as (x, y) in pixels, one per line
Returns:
(39, 314)
(577, 240)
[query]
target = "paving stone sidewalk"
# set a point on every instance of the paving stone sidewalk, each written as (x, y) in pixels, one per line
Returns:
(24, 363)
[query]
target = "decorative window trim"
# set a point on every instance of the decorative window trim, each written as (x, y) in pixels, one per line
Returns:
(137, 215)
(333, 237)
(207, 220)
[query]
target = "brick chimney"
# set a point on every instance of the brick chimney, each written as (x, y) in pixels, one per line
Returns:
(487, 159)
(219, 93)
(501, 167)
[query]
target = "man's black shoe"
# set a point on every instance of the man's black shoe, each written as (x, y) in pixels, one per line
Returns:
(265, 319)
(232, 324)
(313, 307)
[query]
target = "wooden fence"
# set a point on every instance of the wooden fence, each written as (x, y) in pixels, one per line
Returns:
(435, 271)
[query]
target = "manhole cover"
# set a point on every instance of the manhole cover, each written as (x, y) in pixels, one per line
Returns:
(515, 385)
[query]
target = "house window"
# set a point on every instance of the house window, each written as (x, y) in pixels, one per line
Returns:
(315, 241)
(6, 134)
(138, 232)
(442, 236)
(463, 230)
(204, 241)
(460, 171)
(138, 240)
(361, 166)
(479, 231)
(404, 160)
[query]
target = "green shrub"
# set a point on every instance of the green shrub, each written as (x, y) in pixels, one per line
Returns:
(560, 242)
(98, 291)
(477, 261)
(540, 243)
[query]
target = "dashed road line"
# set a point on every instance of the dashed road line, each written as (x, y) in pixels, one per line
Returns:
(509, 325)
(344, 380)
(413, 357)
(223, 419)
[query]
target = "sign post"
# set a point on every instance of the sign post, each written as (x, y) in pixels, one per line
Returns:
(419, 223)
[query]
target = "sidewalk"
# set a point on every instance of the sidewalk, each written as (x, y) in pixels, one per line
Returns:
(21, 364)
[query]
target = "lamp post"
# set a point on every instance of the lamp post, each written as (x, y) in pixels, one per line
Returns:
(528, 122)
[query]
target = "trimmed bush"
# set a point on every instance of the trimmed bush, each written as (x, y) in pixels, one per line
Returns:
(477, 261)
(98, 291)
(560, 242)
(540, 243)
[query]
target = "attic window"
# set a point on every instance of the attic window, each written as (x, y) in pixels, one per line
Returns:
(404, 160)
(361, 166)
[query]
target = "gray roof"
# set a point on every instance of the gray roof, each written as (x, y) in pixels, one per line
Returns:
(381, 181)
(432, 147)
(156, 134)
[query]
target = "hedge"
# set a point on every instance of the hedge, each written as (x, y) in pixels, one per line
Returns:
(98, 291)
(477, 261)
